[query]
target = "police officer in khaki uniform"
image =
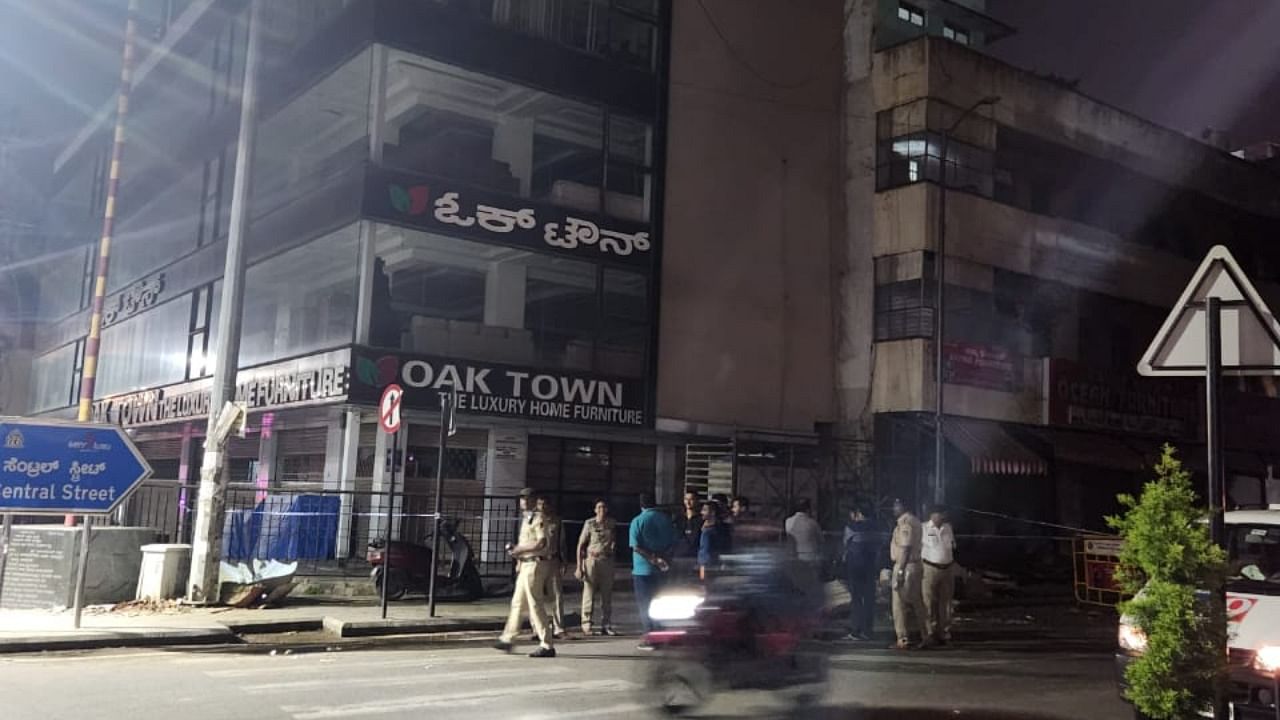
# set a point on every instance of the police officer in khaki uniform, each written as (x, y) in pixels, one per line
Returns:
(533, 556)
(908, 571)
(596, 547)
(555, 577)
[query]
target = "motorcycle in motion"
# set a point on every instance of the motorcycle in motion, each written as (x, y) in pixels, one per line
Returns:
(409, 566)
(748, 626)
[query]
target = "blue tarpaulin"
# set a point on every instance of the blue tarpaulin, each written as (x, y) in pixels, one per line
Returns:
(284, 528)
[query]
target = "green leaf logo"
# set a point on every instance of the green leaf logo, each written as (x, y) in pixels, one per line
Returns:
(367, 371)
(400, 198)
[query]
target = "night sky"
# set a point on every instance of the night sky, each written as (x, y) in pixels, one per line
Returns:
(1186, 64)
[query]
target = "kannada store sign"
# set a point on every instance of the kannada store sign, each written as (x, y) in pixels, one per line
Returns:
(981, 366)
(310, 380)
(1080, 397)
(504, 390)
(450, 208)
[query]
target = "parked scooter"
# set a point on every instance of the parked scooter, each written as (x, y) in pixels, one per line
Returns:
(411, 566)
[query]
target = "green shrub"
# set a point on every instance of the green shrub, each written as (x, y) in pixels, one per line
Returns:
(1168, 556)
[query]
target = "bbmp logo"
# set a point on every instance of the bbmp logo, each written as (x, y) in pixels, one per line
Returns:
(377, 373)
(410, 200)
(14, 440)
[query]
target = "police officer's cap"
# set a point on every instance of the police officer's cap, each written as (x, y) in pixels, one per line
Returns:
(528, 492)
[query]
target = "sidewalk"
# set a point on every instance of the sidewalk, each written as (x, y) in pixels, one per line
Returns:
(332, 619)
(310, 619)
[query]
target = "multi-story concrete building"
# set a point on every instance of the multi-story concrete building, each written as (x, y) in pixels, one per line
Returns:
(1071, 228)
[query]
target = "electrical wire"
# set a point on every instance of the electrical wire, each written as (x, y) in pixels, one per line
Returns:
(739, 58)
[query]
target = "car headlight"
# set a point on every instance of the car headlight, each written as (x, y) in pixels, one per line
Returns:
(1132, 639)
(1268, 659)
(675, 606)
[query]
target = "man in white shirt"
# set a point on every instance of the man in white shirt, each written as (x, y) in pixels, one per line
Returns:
(805, 534)
(938, 553)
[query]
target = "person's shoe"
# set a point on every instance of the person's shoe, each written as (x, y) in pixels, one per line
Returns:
(503, 646)
(586, 631)
(646, 647)
(901, 645)
(558, 634)
(543, 652)
(610, 632)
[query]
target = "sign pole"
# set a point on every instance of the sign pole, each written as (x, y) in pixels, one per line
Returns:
(81, 568)
(1216, 461)
(446, 420)
(4, 549)
(391, 503)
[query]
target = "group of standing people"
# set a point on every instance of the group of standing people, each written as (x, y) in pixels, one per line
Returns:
(922, 579)
(702, 533)
(922, 555)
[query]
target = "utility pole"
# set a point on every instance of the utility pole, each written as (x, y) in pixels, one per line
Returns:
(940, 307)
(93, 342)
(206, 556)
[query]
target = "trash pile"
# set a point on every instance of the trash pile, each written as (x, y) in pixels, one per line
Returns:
(264, 584)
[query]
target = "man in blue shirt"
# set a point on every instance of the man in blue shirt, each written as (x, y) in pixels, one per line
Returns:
(652, 535)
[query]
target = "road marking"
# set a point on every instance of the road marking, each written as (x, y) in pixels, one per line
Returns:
(85, 658)
(309, 663)
(415, 679)
(625, 709)
(477, 697)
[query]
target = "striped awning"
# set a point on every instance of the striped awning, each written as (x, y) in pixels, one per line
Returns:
(990, 449)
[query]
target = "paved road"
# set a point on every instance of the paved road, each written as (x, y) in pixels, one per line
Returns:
(591, 679)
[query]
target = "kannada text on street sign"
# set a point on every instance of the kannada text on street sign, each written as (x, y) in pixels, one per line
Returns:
(66, 468)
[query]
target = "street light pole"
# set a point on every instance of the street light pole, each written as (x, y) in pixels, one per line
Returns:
(940, 307)
(206, 554)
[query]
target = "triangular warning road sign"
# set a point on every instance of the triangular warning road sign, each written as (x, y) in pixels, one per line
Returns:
(1250, 333)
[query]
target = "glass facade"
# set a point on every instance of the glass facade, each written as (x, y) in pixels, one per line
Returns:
(301, 300)
(433, 292)
(145, 351)
(508, 138)
(621, 30)
(155, 229)
(319, 135)
(458, 298)
(52, 385)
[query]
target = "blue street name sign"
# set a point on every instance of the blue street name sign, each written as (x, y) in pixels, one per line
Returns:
(66, 468)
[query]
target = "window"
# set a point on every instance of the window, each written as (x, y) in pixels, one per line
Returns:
(156, 226)
(907, 157)
(512, 139)
(53, 382)
(904, 296)
(145, 351)
(911, 14)
(302, 300)
(486, 302)
(625, 30)
(315, 138)
(199, 358)
(952, 32)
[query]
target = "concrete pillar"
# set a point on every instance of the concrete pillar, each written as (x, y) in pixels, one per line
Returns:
(268, 454)
(513, 145)
(668, 487)
(504, 294)
(506, 466)
(381, 483)
(284, 322)
(341, 451)
(853, 255)
(344, 478)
